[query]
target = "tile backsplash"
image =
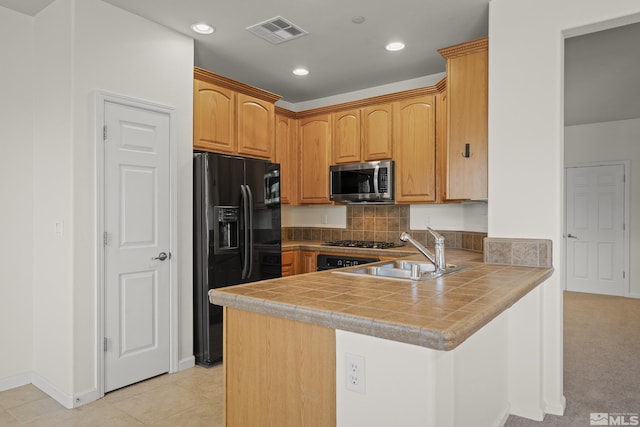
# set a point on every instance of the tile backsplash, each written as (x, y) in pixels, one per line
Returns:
(382, 223)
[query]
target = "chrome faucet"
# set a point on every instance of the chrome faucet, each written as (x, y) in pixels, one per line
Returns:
(438, 259)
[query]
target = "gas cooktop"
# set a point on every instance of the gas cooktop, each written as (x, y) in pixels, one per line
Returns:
(363, 244)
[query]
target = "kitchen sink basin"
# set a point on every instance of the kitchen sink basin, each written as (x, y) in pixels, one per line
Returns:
(402, 269)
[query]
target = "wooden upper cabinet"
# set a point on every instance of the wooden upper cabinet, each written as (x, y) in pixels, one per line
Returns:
(255, 120)
(213, 118)
(286, 154)
(467, 119)
(346, 136)
(415, 150)
(315, 158)
(230, 117)
(377, 132)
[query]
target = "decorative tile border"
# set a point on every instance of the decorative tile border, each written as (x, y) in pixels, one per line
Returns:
(523, 252)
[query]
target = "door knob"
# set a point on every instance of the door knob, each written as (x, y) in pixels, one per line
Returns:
(571, 236)
(162, 256)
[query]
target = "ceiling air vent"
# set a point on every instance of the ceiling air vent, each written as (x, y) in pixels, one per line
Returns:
(277, 30)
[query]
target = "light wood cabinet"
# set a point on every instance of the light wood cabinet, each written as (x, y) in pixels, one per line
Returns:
(290, 262)
(213, 118)
(363, 134)
(315, 158)
(415, 150)
(230, 117)
(346, 136)
(377, 132)
(255, 120)
(278, 372)
(308, 261)
(467, 119)
(286, 154)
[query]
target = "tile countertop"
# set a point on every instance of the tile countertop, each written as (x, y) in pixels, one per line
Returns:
(438, 313)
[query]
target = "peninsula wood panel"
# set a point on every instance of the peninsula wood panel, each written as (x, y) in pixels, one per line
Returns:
(213, 118)
(278, 372)
(377, 132)
(415, 150)
(255, 120)
(346, 136)
(315, 158)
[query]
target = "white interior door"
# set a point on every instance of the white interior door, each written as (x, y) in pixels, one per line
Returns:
(595, 229)
(137, 234)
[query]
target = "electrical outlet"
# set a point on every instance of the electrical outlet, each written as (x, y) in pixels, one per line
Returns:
(354, 365)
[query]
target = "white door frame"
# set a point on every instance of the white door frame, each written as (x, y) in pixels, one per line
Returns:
(626, 243)
(101, 98)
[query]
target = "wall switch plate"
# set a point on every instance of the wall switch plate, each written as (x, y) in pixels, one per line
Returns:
(355, 369)
(58, 228)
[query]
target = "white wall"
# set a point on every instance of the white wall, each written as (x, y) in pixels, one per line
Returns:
(16, 193)
(619, 140)
(53, 202)
(47, 175)
(526, 149)
(119, 52)
(471, 216)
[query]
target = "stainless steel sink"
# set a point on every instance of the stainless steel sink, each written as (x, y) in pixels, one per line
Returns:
(402, 269)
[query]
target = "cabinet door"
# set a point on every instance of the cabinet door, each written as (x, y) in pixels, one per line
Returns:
(289, 262)
(213, 118)
(467, 83)
(315, 155)
(415, 150)
(287, 155)
(308, 259)
(377, 132)
(346, 136)
(255, 127)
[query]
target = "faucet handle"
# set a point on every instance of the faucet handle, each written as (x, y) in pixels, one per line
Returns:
(439, 237)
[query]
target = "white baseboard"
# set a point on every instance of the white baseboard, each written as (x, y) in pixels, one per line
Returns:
(503, 417)
(634, 295)
(536, 414)
(186, 363)
(61, 397)
(556, 408)
(85, 397)
(14, 381)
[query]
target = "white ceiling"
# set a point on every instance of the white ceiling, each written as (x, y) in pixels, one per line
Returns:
(602, 70)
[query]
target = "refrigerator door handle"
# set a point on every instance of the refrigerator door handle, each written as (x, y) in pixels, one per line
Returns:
(247, 248)
(250, 259)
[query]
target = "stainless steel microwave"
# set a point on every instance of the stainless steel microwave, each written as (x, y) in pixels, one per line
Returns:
(362, 182)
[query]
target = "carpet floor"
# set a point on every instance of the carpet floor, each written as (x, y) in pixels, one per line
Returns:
(601, 360)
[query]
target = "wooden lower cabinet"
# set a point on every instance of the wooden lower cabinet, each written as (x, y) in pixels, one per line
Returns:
(308, 261)
(278, 372)
(290, 262)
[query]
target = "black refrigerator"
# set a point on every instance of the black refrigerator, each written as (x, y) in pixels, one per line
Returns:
(236, 223)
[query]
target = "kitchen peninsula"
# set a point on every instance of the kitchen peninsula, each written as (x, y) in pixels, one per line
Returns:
(435, 352)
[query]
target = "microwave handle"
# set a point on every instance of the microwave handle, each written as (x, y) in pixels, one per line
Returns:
(375, 179)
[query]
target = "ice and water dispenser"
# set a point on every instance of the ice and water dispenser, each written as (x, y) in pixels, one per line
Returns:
(226, 230)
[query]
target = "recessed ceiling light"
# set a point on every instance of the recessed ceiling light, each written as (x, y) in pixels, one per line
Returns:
(300, 71)
(202, 28)
(358, 19)
(395, 46)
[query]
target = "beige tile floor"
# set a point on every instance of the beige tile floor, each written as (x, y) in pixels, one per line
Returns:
(192, 397)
